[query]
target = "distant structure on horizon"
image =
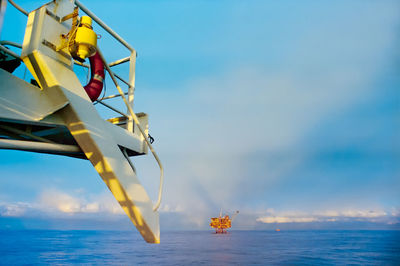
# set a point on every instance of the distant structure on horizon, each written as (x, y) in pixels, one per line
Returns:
(221, 223)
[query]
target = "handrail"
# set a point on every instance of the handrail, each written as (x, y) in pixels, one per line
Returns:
(121, 79)
(119, 61)
(135, 118)
(103, 25)
(81, 64)
(87, 66)
(115, 63)
(8, 51)
(5, 42)
(112, 96)
(26, 13)
(112, 108)
(94, 17)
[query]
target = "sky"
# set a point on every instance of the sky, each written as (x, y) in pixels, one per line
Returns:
(287, 111)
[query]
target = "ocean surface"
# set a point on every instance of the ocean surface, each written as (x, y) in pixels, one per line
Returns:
(200, 248)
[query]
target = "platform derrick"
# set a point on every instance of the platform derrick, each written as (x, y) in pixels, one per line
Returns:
(56, 114)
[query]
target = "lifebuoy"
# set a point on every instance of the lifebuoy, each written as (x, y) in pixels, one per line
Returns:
(95, 85)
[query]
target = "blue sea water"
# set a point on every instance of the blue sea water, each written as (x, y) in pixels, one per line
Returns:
(200, 247)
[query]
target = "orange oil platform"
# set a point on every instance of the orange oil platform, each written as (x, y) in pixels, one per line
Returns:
(221, 223)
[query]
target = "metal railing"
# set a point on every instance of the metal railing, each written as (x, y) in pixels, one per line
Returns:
(8, 51)
(131, 83)
(23, 11)
(128, 102)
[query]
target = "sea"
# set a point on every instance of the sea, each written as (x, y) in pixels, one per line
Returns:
(44, 247)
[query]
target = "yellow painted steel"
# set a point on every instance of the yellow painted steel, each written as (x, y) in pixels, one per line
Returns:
(85, 41)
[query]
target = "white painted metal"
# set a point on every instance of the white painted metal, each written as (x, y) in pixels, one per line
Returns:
(35, 146)
(53, 71)
(119, 61)
(131, 89)
(22, 101)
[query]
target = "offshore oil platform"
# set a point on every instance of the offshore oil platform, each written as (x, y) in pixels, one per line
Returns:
(222, 223)
(55, 114)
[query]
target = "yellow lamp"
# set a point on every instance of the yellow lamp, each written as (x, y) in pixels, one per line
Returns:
(85, 41)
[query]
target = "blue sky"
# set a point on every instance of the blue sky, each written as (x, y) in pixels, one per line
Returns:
(285, 110)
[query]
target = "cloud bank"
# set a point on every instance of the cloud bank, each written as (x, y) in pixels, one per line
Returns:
(56, 200)
(56, 204)
(349, 215)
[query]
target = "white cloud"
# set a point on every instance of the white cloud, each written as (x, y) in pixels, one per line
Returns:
(55, 200)
(14, 209)
(60, 201)
(168, 208)
(107, 203)
(91, 207)
(277, 219)
(395, 212)
(325, 216)
(329, 213)
(363, 214)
